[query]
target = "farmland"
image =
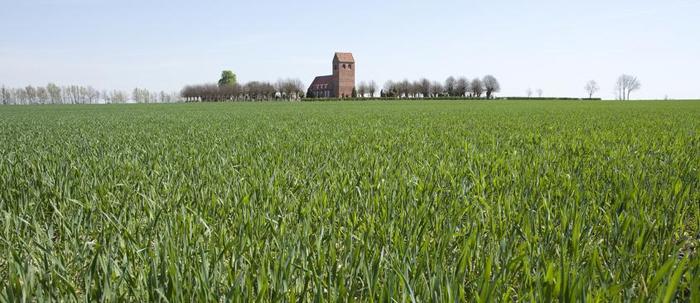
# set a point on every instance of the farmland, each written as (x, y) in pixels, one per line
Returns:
(351, 201)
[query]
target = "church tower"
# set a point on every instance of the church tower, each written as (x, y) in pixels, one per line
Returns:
(343, 75)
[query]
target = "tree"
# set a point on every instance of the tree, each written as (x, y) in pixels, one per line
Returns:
(425, 87)
(92, 95)
(54, 93)
(372, 88)
(632, 85)
(31, 94)
(461, 87)
(539, 92)
(404, 88)
(354, 93)
(362, 89)
(416, 89)
(491, 86)
(436, 89)
(529, 93)
(476, 88)
(119, 96)
(625, 85)
(591, 88)
(42, 95)
(390, 89)
(4, 95)
(227, 78)
(450, 84)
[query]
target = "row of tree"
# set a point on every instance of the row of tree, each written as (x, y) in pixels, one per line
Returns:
(290, 89)
(624, 86)
(228, 89)
(75, 94)
(452, 87)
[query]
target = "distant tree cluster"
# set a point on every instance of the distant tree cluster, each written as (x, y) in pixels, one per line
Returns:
(452, 87)
(625, 85)
(75, 94)
(289, 89)
(228, 89)
(591, 88)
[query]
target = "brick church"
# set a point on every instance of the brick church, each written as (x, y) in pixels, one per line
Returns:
(338, 85)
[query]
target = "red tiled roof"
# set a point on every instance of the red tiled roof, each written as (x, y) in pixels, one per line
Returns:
(322, 80)
(344, 57)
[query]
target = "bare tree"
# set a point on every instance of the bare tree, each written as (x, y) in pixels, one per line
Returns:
(4, 95)
(42, 95)
(491, 86)
(390, 89)
(54, 93)
(92, 95)
(31, 94)
(633, 85)
(476, 88)
(362, 89)
(539, 92)
(529, 92)
(461, 87)
(625, 85)
(372, 88)
(436, 89)
(591, 88)
(120, 96)
(424, 87)
(405, 88)
(450, 85)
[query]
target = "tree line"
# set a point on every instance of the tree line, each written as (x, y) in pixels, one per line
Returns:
(76, 94)
(423, 88)
(624, 86)
(228, 89)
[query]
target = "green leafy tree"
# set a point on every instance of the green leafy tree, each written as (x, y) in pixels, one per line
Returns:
(354, 92)
(228, 78)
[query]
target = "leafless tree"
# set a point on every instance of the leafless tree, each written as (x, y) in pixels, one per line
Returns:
(4, 95)
(54, 93)
(31, 94)
(491, 86)
(372, 88)
(425, 87)
(529, 92)
(539, 92)
(141, 95)
(119, 97)
(450, 84)
(461, 87)
(436, 89)
(42, 95)
(416, 89)
(625, 85)
(476, 88)
(362, 89)
(390, 89)
(405, 88)
(591, 88)
(92, 95)
(290, 89)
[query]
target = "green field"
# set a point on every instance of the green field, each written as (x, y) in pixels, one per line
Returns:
(351, 201)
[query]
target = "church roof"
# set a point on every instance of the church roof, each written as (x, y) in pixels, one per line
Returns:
(322, 80)
(344, 57)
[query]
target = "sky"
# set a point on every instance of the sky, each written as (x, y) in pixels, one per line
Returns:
(556, 46)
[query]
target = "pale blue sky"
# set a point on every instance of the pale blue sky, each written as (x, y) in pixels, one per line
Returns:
(162, 45)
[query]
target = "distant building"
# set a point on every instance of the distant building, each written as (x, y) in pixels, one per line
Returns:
(338, 85)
